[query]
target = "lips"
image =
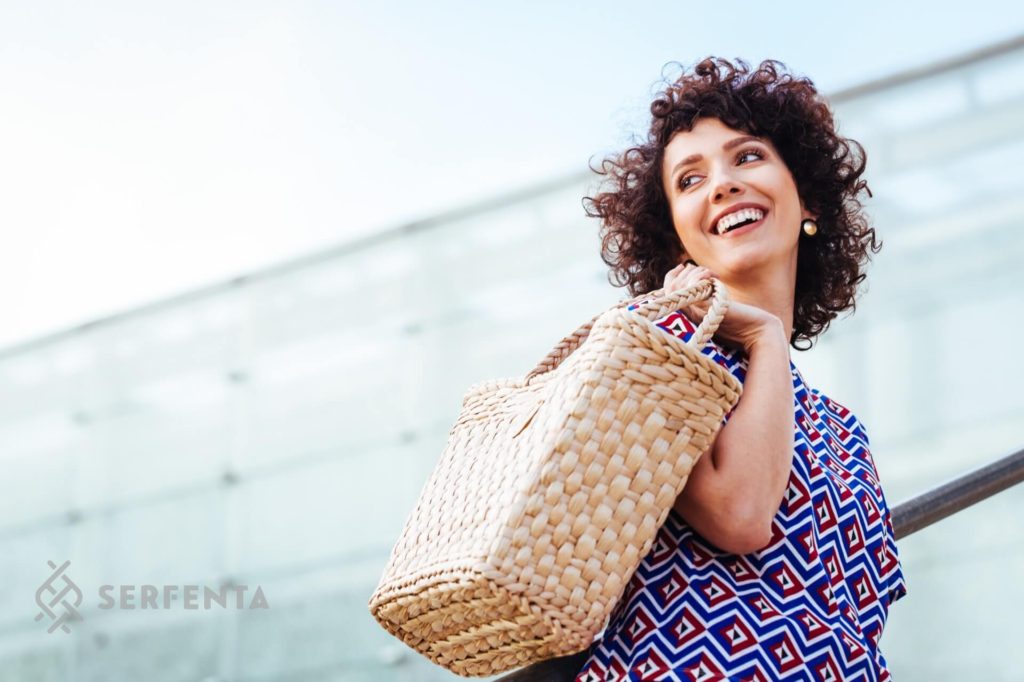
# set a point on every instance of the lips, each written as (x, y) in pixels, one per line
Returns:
(733, 209)
(743, 229)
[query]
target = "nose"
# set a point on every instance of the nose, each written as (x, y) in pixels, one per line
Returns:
(725, 186)
(723, 183)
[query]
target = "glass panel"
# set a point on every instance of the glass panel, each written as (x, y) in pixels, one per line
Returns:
(279, 429)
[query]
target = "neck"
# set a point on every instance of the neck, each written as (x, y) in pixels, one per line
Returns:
(771, 289)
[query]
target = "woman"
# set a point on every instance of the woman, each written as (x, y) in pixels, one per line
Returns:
(778, 561)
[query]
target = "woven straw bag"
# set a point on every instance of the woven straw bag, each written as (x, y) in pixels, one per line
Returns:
(552, 488)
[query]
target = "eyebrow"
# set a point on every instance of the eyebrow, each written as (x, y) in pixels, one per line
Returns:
(694, 158)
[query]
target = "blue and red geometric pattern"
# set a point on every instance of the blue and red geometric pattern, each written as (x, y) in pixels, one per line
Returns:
(810, 605)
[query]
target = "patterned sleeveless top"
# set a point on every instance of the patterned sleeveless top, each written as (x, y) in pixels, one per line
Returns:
(810, 605)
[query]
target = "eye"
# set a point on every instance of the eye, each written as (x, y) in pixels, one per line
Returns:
(683, 184)
(749, 152)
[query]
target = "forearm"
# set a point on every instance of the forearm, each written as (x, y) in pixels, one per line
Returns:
(753, 454)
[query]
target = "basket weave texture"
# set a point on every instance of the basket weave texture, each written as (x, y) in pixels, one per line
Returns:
(552, 488)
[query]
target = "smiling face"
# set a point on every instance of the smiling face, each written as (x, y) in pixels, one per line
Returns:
(711, 171)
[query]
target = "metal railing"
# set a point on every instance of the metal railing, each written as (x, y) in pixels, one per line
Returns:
(907, 517)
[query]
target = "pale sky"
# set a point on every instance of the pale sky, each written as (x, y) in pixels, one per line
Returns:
(150, 148)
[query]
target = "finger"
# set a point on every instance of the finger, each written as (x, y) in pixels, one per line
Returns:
(686, 274)
(702, 272)
(680, 268)
(693, 276)
(677, 283)
(680, 271)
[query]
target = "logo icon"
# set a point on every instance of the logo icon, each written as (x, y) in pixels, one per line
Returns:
(59, 592)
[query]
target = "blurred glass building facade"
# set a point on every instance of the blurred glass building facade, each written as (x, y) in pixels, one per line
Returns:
(276, 430)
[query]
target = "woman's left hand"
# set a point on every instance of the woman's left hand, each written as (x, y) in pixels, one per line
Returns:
(743, 324)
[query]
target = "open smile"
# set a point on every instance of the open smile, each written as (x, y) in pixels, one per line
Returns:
(743, 229)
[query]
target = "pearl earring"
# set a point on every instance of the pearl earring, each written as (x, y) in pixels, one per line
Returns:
(810, 227)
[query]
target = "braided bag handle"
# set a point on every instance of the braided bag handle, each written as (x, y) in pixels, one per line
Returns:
(660, 304)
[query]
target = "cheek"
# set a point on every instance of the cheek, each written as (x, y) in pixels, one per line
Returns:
(686, 220)
(783, 193)
(787, 190)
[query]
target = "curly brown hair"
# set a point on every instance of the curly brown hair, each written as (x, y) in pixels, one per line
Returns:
(638, 239)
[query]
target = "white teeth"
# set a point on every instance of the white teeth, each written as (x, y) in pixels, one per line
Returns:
(738, 217)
